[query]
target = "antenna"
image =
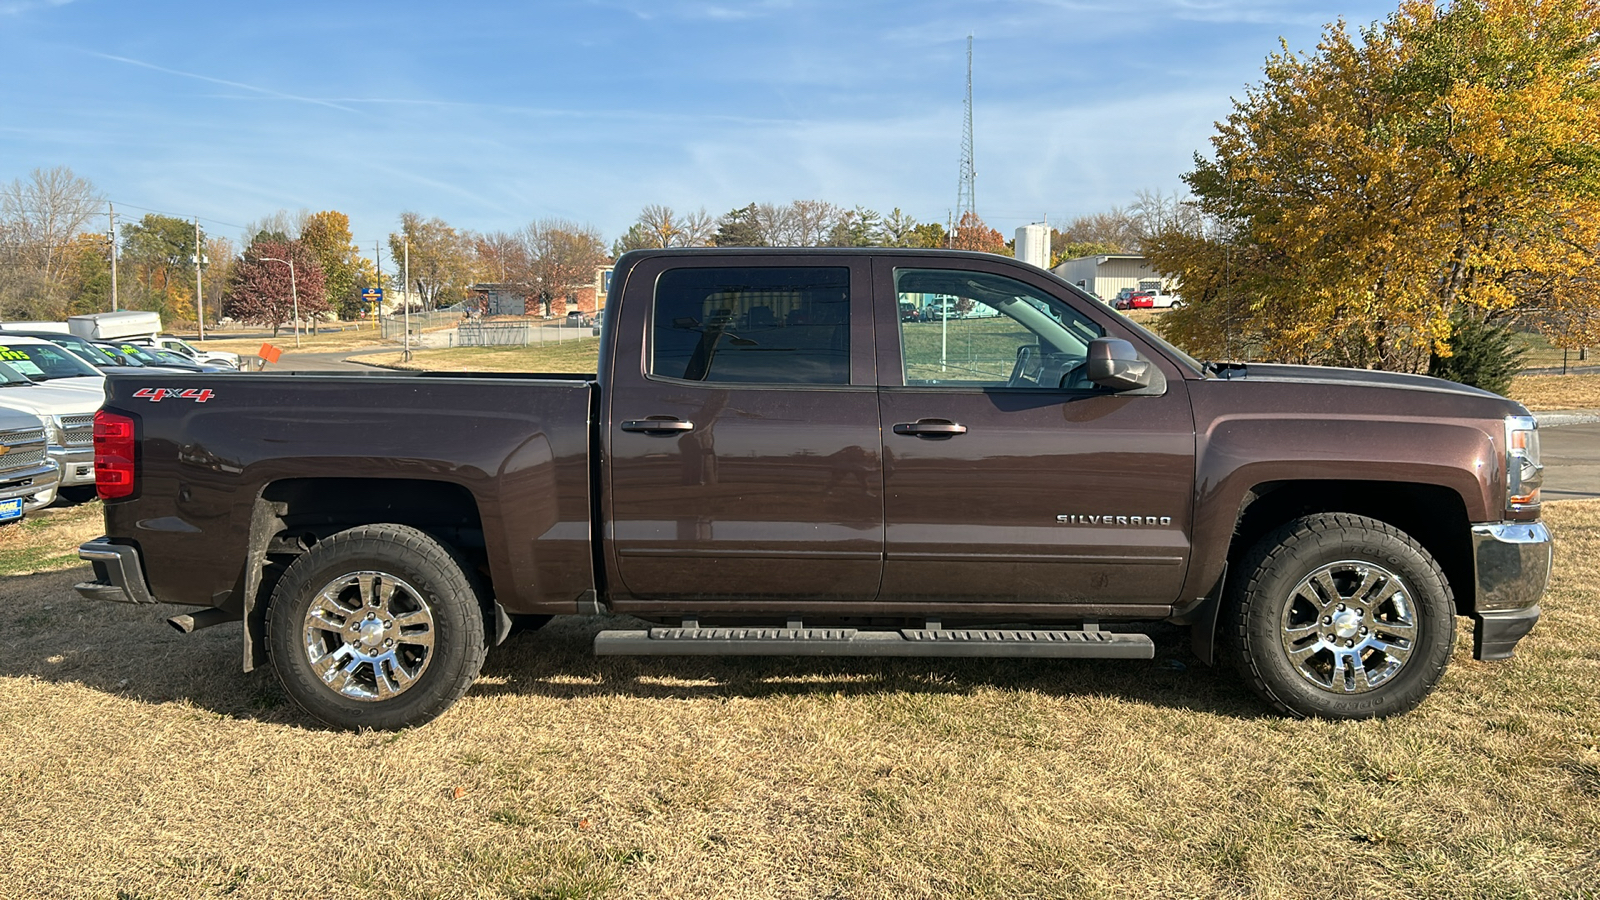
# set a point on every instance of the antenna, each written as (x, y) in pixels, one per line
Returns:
(965, 202)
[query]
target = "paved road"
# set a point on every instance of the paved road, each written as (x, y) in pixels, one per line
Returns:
(1572, 461)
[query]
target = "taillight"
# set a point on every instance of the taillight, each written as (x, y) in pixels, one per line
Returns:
(113, 455)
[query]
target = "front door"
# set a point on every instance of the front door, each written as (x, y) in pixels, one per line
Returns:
(743, 435)
(1008, 477)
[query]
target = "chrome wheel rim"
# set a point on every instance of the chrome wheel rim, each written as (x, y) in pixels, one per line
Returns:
(1349, 627)
(369, 635)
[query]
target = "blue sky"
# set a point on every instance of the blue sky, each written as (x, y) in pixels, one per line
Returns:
(493, 115)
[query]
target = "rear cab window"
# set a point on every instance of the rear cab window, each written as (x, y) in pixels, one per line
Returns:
(752, 325)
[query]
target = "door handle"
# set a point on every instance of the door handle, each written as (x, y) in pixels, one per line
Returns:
(657, 426)
(930, 428)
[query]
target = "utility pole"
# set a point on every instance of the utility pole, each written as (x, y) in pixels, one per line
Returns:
(199, 289)
(407, 295)
(111, 218)
(377, 314)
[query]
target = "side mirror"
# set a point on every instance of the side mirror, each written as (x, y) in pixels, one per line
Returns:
(1114, 364)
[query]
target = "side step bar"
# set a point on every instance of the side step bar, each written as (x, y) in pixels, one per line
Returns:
(800, 641)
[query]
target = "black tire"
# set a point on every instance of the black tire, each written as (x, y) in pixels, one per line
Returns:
(1339, 616)
(406, 655)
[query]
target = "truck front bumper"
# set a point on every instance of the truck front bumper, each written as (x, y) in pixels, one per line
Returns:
(36, 486)
(77, 465)
(1511, 561)
(118, 574)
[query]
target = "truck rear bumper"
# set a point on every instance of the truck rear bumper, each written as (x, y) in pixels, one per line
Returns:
(118, 574)
(1511, 562)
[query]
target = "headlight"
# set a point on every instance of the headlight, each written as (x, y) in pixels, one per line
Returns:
(54, 434)
(1524, 471)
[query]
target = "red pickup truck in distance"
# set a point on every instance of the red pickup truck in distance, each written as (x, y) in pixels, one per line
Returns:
(773, 459)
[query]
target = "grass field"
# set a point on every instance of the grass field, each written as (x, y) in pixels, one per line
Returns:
(579, 356)
(47, 540)
(1542, 392)
(323, 342)
(140, 763)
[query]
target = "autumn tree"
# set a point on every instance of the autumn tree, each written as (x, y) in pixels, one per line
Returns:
(1440, 166)
(441, 258)
(42, 222)
(859, 227)
(327, 236)
(972, 234)
(157, 261)
(562, 258)
(262, 289)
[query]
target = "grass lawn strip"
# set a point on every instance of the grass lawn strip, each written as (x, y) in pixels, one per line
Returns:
(47, 540)
(140, 762)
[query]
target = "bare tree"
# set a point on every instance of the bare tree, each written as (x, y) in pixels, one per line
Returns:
(814, 221)
(563, 256)
(1155, 212)
(40, 216)
(698, 228)
(776, 225)
(500, 258)
(281, 225)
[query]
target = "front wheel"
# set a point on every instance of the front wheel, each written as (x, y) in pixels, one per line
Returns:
(376, 627)
(1340, 617)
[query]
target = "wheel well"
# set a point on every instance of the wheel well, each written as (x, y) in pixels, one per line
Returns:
(1436, 517)
(296, 513)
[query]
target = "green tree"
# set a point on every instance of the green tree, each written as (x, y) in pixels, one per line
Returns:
(158, 263)
(1361, 195)
(739, 228)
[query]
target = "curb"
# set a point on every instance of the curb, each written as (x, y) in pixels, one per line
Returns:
(1557, 417)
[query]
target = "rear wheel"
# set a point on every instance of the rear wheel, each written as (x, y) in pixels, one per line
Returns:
(376, 627)
(1341, 617)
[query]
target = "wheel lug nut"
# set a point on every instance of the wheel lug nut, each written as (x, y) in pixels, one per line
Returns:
(1349, 643)
(1363, 631)
(1361, 612)
(1341, 607)
(1327, 620)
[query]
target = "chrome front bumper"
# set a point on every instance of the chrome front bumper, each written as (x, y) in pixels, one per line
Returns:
(77, 465)
(118, 574)
(37, 486)
(1511, 562)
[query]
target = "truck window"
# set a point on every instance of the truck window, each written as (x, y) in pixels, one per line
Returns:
(752, 325)
(987, 330)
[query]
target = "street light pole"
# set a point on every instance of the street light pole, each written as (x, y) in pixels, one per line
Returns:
(199, 289)
(294, 292)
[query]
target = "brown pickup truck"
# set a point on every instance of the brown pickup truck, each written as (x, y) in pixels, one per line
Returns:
(773, 460)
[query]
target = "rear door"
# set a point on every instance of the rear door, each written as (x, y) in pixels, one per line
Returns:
(743, 434)
(1009, 478)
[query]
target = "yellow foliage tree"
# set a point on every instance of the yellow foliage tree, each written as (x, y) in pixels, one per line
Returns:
(1360, 194)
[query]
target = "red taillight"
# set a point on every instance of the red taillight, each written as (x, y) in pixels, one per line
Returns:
(113, 455)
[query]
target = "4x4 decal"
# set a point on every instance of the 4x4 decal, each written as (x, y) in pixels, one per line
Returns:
(155, 395)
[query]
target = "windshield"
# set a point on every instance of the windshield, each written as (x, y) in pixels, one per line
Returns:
(142, 354)
(10, 376)
(42, 362)
(116, 357)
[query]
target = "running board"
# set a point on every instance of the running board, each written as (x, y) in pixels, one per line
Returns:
(852, 642)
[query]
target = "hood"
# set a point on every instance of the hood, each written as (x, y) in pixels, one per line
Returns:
(43, 400)
(1355, 377)
(94, 383)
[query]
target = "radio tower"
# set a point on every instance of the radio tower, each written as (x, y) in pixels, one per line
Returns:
(964, 195)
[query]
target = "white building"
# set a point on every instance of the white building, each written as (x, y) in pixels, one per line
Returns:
(1108, 273)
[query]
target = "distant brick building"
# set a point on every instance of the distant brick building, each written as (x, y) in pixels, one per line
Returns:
(517, 299)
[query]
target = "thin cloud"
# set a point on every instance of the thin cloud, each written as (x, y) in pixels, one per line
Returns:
(17, 7)
(265, 92)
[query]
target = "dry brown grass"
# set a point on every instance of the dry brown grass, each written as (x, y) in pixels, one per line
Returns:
(576, 356)
(326, 342)
(1542, 392)
(138, 762)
